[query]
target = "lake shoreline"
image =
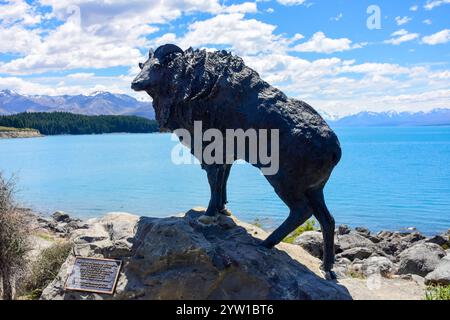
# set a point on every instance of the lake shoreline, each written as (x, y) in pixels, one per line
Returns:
(388, 263)
(48, 215)
(17, 134)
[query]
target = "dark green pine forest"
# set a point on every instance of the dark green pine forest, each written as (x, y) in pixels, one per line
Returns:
(55, 123)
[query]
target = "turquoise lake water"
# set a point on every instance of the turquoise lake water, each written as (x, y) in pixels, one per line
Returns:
(389, 178)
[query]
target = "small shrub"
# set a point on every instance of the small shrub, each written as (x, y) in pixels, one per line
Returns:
(437, 293)
(309, 225)
(14, 245)
(45, 269)
(355, 275)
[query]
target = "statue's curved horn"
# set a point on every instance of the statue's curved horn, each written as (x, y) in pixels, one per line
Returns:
(167, 49)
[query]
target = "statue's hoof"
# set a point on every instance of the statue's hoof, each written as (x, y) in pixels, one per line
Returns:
(207, 220)
(328, 275)
(226, 212)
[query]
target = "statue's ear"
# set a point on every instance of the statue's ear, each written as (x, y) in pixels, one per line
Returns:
(151, 53)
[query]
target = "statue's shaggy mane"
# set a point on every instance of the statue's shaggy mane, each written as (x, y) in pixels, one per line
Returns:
(203, 71)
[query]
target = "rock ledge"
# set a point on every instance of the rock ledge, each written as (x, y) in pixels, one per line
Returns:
(177, 258)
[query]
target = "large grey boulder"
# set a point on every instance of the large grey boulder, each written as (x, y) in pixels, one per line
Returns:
(312, 242)
(440, 275)
(178, 258)
(377, 265)
(353, 240)
(356, 253)
(420, 259)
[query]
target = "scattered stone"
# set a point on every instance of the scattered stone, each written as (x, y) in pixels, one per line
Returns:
(61, 216)
(341, 267)
(385, 234)
(312, 242)
(441, 240)
(420, 259)
(393, 243)
(375, 264)
(367, 234)
(412, 277)
(61, 223)
(343, 229)
(413, 237)
(353, 240)
(363, 230)
(356, 253)
(440, 275)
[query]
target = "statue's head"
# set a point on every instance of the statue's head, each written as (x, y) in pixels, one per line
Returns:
(152, 70)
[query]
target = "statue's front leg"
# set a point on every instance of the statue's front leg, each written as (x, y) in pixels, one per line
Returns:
(226, 173)
(215, 179)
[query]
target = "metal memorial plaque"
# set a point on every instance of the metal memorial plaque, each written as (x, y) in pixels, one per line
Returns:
(94, 275)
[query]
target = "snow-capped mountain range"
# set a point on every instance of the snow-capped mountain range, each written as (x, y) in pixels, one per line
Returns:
(394, 118)
(121, 104)
(97, 103)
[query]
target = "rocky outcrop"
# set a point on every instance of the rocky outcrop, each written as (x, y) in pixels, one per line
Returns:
(178, 258)
(60, 223)
(387, 253)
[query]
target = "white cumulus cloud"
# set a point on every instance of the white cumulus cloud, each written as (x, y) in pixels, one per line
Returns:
(440, 37)
(320, 43)
(431, 4)
(402, 20)
(401, 36)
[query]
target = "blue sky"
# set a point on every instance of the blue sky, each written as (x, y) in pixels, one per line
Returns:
(321, 51)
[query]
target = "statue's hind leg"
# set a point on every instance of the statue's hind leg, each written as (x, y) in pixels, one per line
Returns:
(326, 220)
(300, 211)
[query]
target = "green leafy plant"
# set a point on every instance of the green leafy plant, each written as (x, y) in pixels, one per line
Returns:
(309, 225)
(437, 293)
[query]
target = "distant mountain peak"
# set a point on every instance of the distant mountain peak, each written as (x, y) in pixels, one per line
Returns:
(100, 93)
(8, 92)
(96, 103)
